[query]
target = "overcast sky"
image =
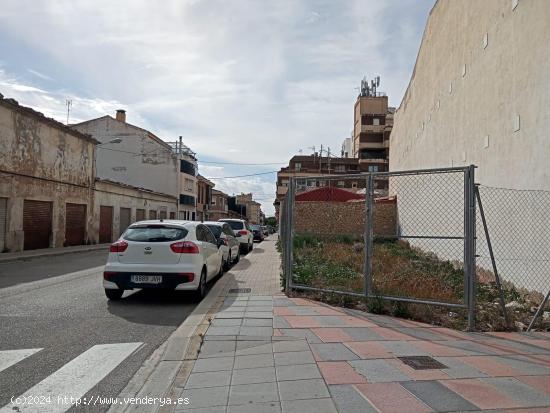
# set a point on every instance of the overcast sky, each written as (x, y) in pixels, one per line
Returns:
(242, 81)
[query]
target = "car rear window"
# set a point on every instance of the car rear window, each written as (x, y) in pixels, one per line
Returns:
(154, 233)
(235, 224)
(216, 230)
(255, 227)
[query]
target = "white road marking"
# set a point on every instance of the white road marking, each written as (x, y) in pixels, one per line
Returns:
(10, 357)
(74, 379)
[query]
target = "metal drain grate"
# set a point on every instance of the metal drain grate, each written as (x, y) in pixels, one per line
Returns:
(422, 363)
(240, 290)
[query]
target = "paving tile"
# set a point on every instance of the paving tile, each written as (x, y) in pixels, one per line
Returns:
(349, 400)
(211, 396)
(213, 364)
(378, 371)
(253, 347)
(421, 333)
(255, 309)
(529, 368)
(328, 311)
(258, 314)
(541, 383)
(208, 379)
(437, 396)
(518, 391)
(362, 333)
(239, 314)
(339, 372)
(217, 349)
(332, 334)
(258, 322)
(301, 321)
(293, 357)
(440, 349)
(431, 374)
(219, 338)
(253, 338)
(300, 333)
(303, 301)
(403, 348)
(260, 298)
(459, 370)
(355, 321)
(260, 303)
(303, 389)
(474, 348)
(369, 349)
(280, 311)
(297, 372)
(490, 366)
(270, 407)
(333, 352)
(255, 375)
(392, 398)
(283, 302)
(309, 406)
(213, 409)
(253, 393)
(292, 345)
(223, 331)
(481, 394)
(253, 361)
(390, 334)
(298, 310)
(232, 309)
(226, 322)
(256, 331)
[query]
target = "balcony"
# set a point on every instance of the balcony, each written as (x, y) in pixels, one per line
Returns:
(372, 128)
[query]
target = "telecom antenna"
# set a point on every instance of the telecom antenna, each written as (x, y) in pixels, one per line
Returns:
(69, 103)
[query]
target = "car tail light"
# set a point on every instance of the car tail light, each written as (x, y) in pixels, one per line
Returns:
(243, 232)
(184, 247)
(119, 246)
(189, 275)
(107, 275)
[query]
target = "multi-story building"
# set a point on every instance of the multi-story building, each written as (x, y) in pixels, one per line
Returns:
(187, 180)
(253, 208)
(219, 206)
(204, 198)
(305, 166)
(372, 125)
(46, 181)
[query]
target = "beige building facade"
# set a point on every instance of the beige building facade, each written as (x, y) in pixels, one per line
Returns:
(46, 181)
(480, 94)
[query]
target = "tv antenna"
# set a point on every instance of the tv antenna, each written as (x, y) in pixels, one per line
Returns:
(69, 103)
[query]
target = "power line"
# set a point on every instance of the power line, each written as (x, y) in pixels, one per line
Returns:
(239, 163)
(241, 176)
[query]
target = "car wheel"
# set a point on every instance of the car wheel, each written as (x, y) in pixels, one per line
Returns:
(227, 263)
(238, 257)
(251, 247)
(113, 294)
(220, 272)
(201, 289)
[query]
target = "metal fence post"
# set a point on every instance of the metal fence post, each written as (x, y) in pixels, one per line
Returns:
(290, 237)
(367, 266)
(469, 243)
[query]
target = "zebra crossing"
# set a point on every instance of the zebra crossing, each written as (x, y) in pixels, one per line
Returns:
(70, 382)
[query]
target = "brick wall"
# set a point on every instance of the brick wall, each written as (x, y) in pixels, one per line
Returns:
(344, 218)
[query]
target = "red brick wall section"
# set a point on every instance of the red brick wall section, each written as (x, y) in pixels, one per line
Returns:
(344, 218)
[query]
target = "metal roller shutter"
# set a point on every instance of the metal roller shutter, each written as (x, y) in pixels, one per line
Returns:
(37, 224)
(140, 215)
(105, 224)
(125, 219)
(75, 224)
(152, 214)
(3, 222)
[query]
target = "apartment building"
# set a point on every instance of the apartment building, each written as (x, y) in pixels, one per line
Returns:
(253, 208)
(187, 180)
(219, 206)
(372, 125)
(204, 198)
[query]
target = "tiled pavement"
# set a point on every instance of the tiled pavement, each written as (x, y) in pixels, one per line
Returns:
(264, 352)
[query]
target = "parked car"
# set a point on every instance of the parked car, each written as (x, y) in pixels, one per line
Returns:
(265, 230)
(230, 245)
(258, 233)
(243, 232)
(179, 255)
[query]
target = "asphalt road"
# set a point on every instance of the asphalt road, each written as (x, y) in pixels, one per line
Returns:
(66, 316)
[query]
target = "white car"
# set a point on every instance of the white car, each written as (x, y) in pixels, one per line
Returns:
(243, 232)
(230, 245)
(179, 255)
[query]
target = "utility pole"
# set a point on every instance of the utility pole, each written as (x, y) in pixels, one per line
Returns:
(69, 103)
(328, 154)
(321, 159)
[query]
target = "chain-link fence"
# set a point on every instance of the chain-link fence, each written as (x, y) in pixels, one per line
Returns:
(398, 236)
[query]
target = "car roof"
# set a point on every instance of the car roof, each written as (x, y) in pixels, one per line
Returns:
(217, 223)
(231, 219)
(170, 222)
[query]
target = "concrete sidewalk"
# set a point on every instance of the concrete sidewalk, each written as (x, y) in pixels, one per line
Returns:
(45, 252)
(264, 352)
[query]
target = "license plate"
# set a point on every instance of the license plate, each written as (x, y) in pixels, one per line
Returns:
(146, 279)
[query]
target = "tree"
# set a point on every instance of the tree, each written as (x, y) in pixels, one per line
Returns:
(271, 221)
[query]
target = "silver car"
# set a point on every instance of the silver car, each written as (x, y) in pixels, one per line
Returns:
(229, 245)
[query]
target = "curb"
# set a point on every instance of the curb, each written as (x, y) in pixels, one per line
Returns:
(50, 253)
(170, 364)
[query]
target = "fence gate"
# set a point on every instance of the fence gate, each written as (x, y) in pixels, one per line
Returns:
(406, 236)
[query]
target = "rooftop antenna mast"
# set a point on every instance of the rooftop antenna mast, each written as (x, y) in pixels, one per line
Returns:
(367, 90)
(69, 103)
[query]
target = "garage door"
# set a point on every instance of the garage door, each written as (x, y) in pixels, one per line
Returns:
(140, 215)
(152, 214)
(105, 224)
(37, 224)
(125, 219)
(75, 224)
(3, 222)
(163, 215)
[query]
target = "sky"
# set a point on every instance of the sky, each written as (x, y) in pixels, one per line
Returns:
(243, 81)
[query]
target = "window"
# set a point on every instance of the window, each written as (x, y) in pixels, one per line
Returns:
(373, 168)
(340, 168)
(311, 183)
(187, 200)
(187, 167)
(216, 230)
(213, 201)
(322, 183)
(375, 121)
(341, 183)
(284, 182)
(354, 184)
(297, 166)
(201, 233)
